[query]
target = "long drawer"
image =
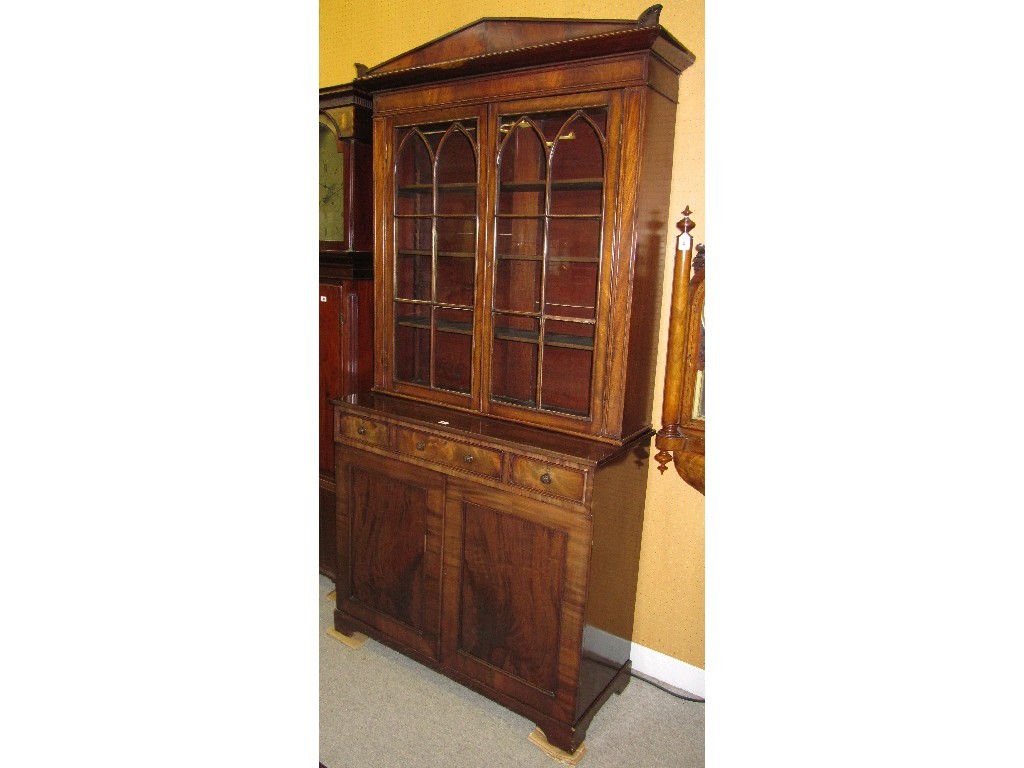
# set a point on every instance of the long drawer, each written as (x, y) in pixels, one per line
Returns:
(451, 453)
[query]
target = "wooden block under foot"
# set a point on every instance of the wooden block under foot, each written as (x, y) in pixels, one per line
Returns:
(538, 738)
(355, 641)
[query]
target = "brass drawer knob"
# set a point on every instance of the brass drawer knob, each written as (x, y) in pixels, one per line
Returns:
(546, 478)
(420, 446)
(361, 430)
(468, 458)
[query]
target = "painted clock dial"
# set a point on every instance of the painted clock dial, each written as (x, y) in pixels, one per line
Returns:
(332, 196)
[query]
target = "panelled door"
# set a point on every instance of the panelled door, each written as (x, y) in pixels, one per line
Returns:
(389, 524)
(514, 594)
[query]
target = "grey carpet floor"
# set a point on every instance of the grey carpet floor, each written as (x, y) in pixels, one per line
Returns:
(381, 710)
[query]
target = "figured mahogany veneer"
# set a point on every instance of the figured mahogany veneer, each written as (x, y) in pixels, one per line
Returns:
(492, 578)
(491, 486)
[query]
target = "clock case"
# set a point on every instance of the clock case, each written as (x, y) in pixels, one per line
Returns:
(346, 111)
(346, 287)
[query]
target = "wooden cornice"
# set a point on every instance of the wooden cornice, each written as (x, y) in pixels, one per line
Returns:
(500, 44)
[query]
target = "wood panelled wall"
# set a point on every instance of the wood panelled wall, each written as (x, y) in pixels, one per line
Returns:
(670, 600)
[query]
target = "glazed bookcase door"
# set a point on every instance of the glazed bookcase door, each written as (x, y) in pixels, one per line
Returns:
(433, 225)
(552, 234)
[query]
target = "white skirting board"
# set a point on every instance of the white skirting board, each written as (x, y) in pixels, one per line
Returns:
(652, 663)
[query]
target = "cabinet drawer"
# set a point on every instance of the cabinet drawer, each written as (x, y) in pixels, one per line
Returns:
(548, 478)
(357, 428)
(452, 453)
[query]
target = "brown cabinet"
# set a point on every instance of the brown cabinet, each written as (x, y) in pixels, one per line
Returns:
(514, 573)
(521, 181)
(346, 269)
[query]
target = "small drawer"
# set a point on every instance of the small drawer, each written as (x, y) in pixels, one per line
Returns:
(357, 428)
(452, 453)
(548, 478)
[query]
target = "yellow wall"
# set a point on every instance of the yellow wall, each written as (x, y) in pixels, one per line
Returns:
(670, 603)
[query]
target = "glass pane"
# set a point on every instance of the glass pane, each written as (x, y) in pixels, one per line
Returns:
(412, 276)
(413, 253)
(412, 343)
(413, 176)
(456, 261)
(520, 238)
(413, 235)
(514, 363)
(455, 279)
(517, 284)
(571, 289)
(522, 169)
(456, 173)
(568, 360)
(453, 349)
(567, 380)
(332, 184)
(456, 237)
(577, 166)
(556, 125)
(574, 240)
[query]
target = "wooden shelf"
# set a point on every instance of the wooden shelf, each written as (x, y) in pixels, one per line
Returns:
(457, 254)
(454, 186)
(566, 340)
(447, 254)
(532, 404)
(534, 257)
(514, 401)
(541, 216)
(539, 186)
(457, 186)
(429, 216)
(445, 326)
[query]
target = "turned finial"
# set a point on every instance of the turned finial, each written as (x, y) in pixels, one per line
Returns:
(686, 223)
(698, 259)
(663, 457)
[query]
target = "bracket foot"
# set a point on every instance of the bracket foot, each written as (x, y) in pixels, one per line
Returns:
(566, 758)
(355, 641)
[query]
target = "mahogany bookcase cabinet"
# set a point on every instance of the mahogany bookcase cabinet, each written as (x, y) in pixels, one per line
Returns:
(491, 485)
(346, 271)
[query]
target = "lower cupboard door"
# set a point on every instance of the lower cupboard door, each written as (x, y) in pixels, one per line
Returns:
(389, 518)
(514, 592)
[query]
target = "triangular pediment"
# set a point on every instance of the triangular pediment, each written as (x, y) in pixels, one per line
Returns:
(493, 42)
